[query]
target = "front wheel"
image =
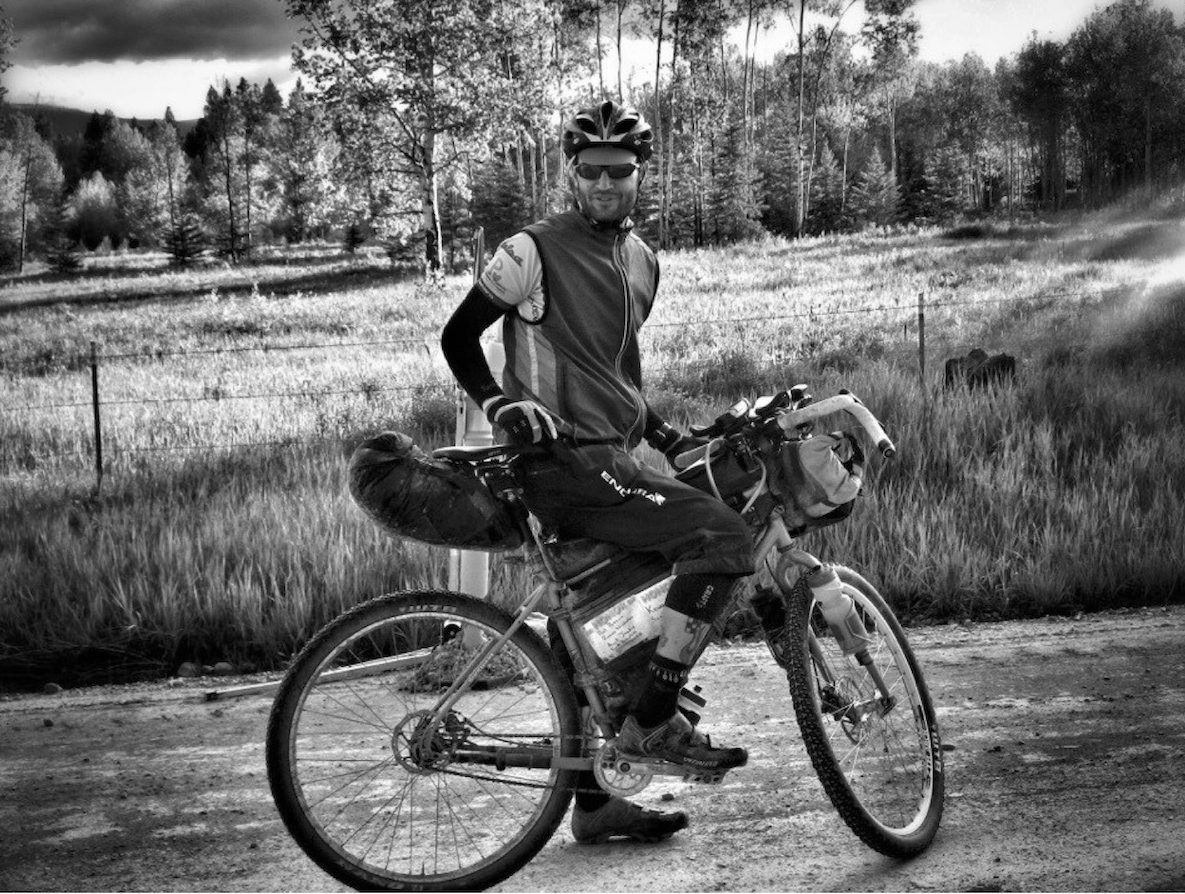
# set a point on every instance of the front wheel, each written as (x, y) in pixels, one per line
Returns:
(386, 783)
(875, 746)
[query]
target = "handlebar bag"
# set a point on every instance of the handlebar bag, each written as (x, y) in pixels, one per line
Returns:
(817, 479)
(413, 495)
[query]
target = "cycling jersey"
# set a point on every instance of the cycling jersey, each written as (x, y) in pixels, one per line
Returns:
(580, 293)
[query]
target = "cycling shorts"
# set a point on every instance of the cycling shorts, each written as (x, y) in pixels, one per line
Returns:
(601, 491)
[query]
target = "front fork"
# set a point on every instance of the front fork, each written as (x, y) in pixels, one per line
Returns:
(793, 563)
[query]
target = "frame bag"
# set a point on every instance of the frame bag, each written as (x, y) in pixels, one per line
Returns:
(441, 502)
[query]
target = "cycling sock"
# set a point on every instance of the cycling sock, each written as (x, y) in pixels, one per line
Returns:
(589, 794)
(660, 696)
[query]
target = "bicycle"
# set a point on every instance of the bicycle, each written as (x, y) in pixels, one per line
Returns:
(430, 741)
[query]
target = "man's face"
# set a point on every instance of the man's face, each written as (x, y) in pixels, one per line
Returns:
(604, 199)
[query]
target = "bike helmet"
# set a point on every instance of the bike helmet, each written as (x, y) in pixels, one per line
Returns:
(609, 125)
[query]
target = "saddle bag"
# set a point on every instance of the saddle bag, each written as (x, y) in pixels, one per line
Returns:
(413, 495)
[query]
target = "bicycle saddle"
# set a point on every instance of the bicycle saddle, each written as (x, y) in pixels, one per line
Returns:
(484, 453)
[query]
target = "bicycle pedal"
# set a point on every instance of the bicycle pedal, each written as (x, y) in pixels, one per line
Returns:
(712, 778)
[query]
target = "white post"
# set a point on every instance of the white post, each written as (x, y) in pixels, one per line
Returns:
(469, 570)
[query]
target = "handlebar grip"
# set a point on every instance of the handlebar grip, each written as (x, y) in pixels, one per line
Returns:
(849, 404)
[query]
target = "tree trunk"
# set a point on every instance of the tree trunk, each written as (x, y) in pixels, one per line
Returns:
(746, 76)
(810, 165)
(169, 160)
(843, 184)
(658, 128)
(620, 4)
(600, 66)
(697, 193)
(247, 156)
(1147, 147)
(668, 190)
(430, 213)
(544, 174)
(799, 199)
(531, 156)
(25, 188)
(230, 195)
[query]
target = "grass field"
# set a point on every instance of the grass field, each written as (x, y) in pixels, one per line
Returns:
(232, 396)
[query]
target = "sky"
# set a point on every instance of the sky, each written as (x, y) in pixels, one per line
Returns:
(137, 57)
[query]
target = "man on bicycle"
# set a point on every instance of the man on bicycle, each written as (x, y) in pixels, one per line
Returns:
(572, 291)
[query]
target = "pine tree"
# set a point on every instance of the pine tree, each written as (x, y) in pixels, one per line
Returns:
(826, 215)
(301, 169)
(947, 179)
(499, 204)
(875, 199)
(354, 237)
(779, 170)
(185, 242)
(734, 205)
(62, 251)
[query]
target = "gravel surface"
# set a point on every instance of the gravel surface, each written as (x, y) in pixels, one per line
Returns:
(1066, 771)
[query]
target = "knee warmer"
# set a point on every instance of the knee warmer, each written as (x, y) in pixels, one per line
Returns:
(700, 596)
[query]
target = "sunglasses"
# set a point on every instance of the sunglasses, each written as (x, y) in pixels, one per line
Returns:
(586, 171)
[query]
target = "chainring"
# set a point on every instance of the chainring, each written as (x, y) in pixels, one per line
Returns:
(614, 780)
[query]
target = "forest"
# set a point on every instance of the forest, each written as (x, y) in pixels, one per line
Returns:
(413, 123)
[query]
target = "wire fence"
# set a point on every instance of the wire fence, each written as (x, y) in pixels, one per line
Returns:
(88, 443)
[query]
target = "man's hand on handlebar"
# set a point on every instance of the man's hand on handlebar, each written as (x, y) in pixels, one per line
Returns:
(685, 444)
(524, 421)
(672, 443)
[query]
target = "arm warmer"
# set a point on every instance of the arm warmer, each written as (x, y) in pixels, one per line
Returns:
(460, 340)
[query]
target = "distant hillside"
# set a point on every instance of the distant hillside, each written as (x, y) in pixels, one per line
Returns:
(73, 121)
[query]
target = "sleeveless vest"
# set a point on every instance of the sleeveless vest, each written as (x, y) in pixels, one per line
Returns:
(580, 358)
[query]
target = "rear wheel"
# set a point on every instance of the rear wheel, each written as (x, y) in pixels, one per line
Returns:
(879, 758)
(382, 797)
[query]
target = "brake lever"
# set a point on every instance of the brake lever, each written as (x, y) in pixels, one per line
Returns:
(726, 423)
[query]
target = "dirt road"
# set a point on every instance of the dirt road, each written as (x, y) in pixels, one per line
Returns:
(1066, 772)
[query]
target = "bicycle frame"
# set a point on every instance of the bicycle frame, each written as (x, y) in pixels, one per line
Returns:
(552, 600)
(549, 599)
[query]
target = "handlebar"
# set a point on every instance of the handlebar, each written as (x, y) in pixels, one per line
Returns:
(790, 421)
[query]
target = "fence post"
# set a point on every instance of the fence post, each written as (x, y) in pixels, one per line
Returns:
(922, 368)
(98, 422)
(922, 340)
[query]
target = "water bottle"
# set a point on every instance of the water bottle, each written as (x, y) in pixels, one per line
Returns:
(839, 610)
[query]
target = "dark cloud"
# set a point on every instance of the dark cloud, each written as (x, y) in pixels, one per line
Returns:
(68, 31)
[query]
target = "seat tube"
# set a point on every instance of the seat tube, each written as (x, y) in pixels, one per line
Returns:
(575, 647)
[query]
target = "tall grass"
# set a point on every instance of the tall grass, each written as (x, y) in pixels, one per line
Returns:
(1055, 493)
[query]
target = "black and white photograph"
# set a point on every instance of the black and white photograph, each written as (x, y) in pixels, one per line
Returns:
(592, 445)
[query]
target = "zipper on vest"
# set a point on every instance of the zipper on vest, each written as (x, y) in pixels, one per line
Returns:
(640, 404)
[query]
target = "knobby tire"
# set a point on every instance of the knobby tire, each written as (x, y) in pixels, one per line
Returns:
(884, 775)
(350, 778)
